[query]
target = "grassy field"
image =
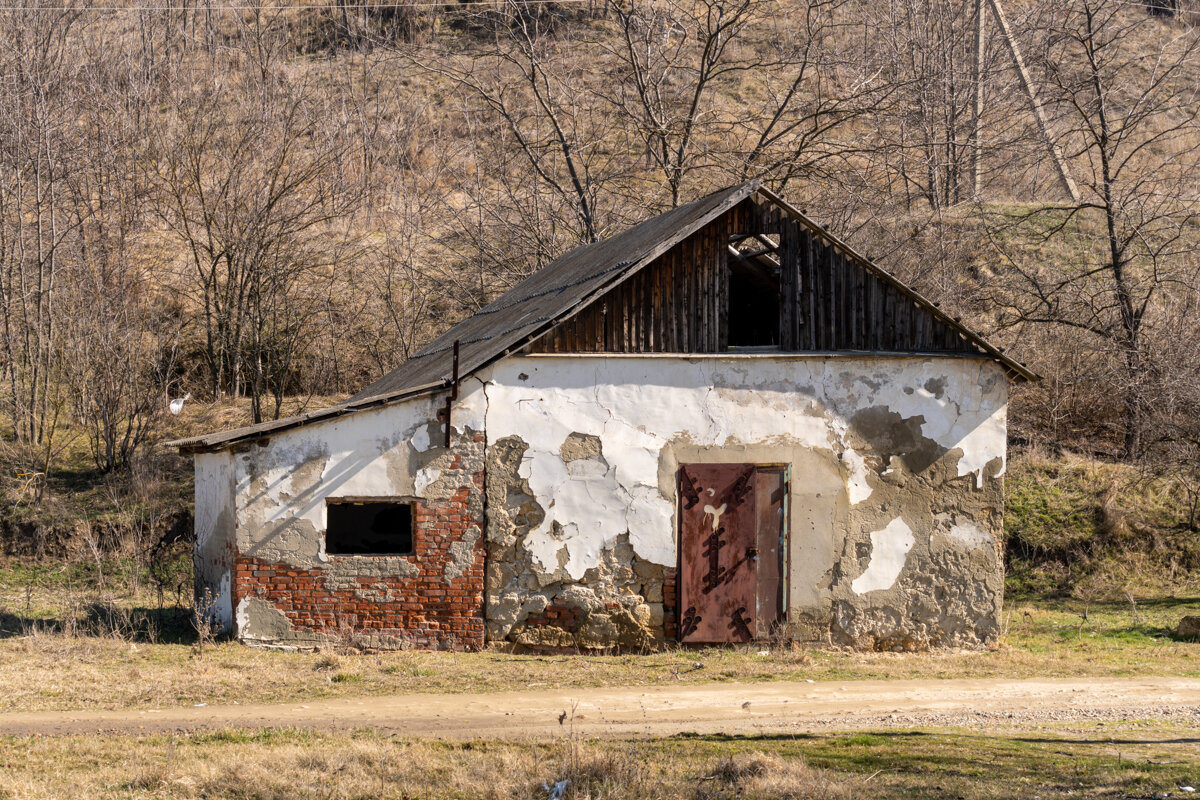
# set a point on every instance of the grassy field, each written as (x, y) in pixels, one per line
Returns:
(109, 634)
(44, 668)
(1120, 759)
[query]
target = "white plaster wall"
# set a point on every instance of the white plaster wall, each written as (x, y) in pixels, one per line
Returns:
(214, 527)
(638, 405)
(366, 454)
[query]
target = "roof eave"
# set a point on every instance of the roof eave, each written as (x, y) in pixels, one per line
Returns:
(1011, 365)
(223, 440)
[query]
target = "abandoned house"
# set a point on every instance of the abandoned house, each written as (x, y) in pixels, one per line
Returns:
(721, 425)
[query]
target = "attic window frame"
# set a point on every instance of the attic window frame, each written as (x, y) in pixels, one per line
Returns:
(762, 252)
(408, 502)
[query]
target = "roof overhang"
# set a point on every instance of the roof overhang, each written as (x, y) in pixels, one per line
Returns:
(223, 440)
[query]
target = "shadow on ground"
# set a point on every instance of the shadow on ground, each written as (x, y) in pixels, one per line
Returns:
(164, 625)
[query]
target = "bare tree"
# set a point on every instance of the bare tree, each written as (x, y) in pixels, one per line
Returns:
(529, 80)
(929, 52)
(671, 60)
(37, 164)
(247, 185)
(117, 340)
(1128, 112)
(816, 89)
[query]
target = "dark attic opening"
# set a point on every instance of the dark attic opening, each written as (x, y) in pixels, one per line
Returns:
(753, 292)
(368, 528)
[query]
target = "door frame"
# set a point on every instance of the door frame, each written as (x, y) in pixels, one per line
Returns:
(785, 554)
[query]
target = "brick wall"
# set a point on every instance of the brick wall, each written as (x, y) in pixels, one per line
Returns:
(425, 609)
(555, 616)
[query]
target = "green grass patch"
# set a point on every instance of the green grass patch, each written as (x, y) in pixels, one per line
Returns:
(1097, 530)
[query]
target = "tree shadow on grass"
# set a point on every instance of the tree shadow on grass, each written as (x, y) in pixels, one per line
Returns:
(141, 624)
(883, 736)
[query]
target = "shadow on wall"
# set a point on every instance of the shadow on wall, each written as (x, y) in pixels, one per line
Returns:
(328, 478)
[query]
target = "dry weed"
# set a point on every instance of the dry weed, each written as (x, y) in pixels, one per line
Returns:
(763, 775)
(275, 765)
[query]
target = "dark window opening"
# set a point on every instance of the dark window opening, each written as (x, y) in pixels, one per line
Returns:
(753, 302)
(355, 529)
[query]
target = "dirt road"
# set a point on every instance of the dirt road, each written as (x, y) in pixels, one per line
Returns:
(735, 708)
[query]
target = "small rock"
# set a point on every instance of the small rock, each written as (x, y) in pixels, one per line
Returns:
(1189, 628)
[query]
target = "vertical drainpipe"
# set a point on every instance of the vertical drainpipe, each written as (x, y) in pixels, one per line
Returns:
(453, 393)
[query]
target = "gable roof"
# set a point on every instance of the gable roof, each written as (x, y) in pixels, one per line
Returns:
(554, 293)
(540, 300)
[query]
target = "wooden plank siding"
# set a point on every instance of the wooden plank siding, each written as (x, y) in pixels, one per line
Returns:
(679, 303)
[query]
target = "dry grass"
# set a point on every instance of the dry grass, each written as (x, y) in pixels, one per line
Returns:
(1131, 759)
(57, 671)
(288, 764)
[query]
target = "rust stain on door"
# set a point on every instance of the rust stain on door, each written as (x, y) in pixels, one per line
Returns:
(770, 486)
(723, 514)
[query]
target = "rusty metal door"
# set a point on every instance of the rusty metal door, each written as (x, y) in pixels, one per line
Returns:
(770, 487)
(718, 549)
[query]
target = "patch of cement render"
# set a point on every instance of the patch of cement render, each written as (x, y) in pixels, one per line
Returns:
(295, 542)
(970, 535)
(438, 479)
(594, 503)
(947, 594)
(259, 621)
(580, 445)
(518, 586)
(511, 513)
(355, 573)
(917, 440)
(462, 554)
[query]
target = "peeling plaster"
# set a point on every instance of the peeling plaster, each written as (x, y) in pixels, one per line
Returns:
(889, 552)
(637, 406)
(378, 453)
(214, 530)
(424, 478)
(259, 620)
(420, 439)
(584, 514)
(858, 487)
(462, 554)
(278, 489)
